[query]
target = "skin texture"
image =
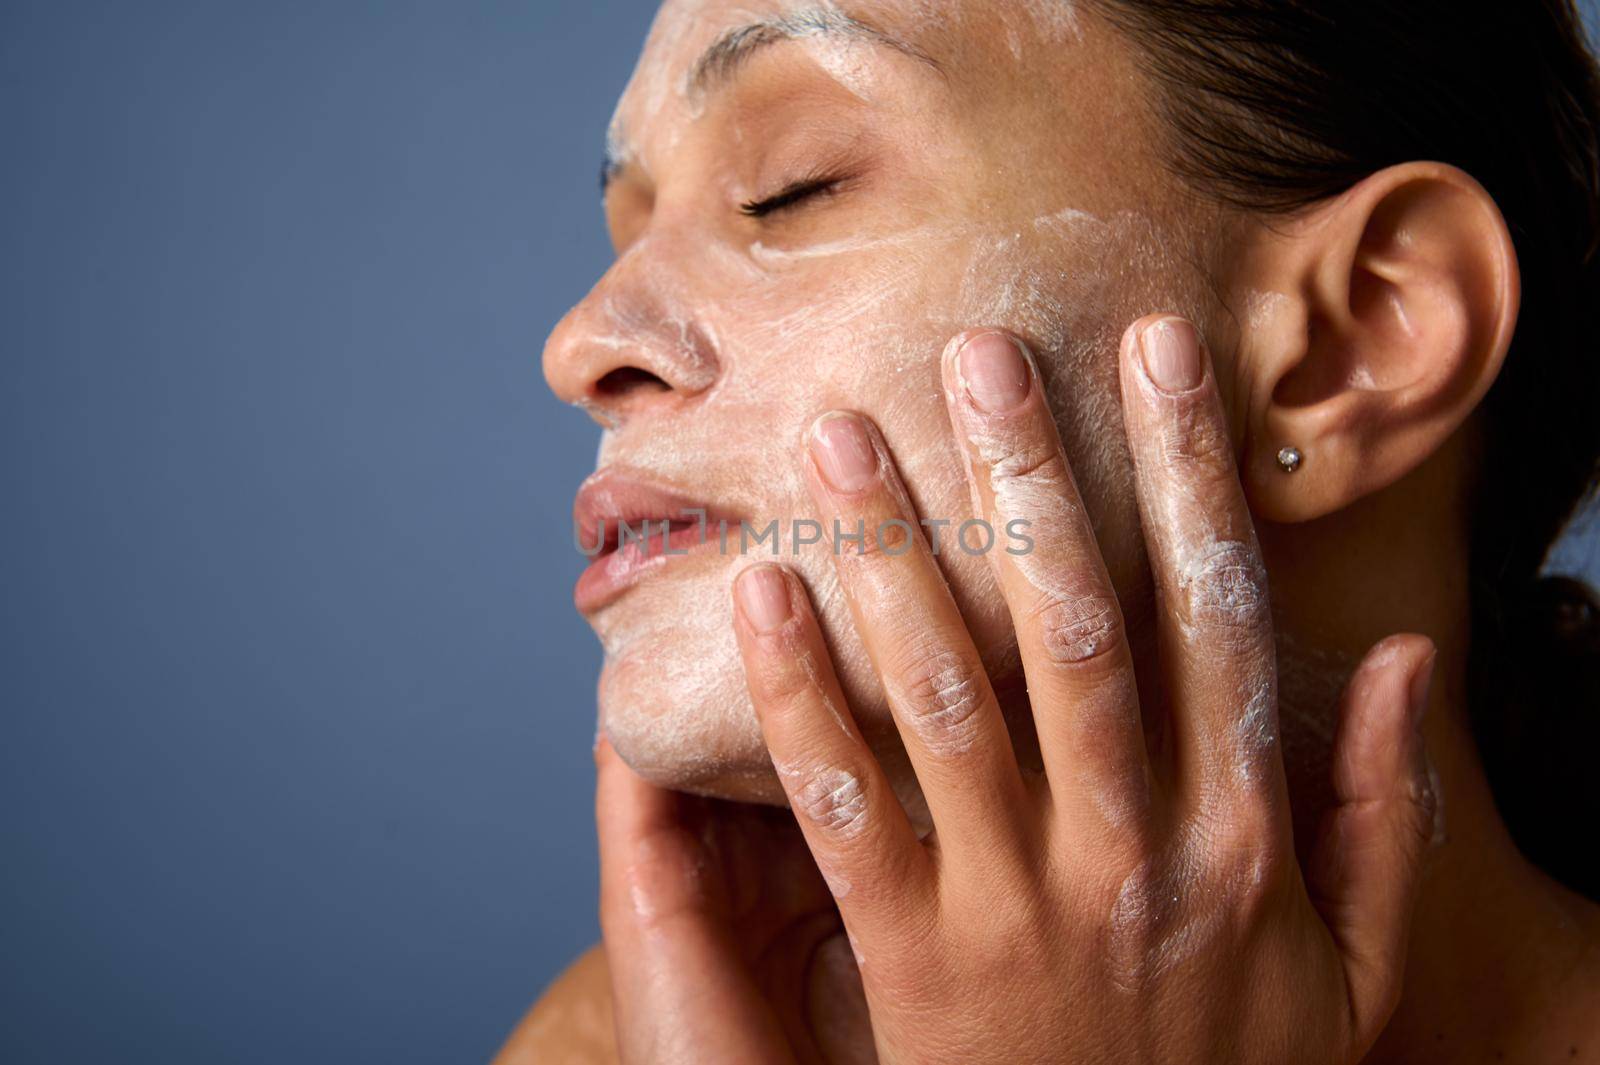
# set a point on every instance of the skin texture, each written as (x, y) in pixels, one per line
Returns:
(1020, 185)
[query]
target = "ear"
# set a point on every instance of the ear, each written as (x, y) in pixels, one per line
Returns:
(1371, 326)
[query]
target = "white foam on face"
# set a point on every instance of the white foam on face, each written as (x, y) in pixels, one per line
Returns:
(851, 64)
(657, 79)
(764, 338)
(779, 257)
(681, 29)
(685, 26)
(1020, 489)
(1055, 20)
(669, 717)
(870, 338)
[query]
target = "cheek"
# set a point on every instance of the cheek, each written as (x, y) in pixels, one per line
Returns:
(861, 325)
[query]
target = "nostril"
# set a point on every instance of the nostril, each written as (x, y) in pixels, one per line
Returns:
(628, 382)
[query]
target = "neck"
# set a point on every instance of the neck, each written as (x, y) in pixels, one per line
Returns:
(1502, 959)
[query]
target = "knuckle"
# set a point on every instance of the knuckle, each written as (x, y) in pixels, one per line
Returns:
(1114, 865)
(1079, 630)
(1223, 583)
(941, 690)
(1243, 862)
(1230, 823)
(1143, 905)
(1138, 894)
(834, 800)
(1251, 879)
(997, 941)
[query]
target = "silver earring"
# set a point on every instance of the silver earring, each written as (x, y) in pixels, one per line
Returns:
(1289, 459)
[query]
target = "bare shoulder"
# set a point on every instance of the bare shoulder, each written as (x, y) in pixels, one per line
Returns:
(571, 1024)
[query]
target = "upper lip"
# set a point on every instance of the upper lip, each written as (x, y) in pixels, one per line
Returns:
(615, 495)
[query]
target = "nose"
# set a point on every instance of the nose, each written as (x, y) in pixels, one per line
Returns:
(631, 346)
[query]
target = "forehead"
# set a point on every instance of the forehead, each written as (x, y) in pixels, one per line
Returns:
(692, 41)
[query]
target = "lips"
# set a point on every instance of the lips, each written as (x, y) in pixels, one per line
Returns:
(630, 526)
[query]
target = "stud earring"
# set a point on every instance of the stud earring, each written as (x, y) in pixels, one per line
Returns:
(1289, 459)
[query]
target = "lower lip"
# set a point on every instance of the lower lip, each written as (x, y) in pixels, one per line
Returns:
(614, 572)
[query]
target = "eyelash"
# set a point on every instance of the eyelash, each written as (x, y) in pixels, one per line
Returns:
(792, 195)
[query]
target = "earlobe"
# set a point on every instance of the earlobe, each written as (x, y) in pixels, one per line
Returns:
(1372, 325)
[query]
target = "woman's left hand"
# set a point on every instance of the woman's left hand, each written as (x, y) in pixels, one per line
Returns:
(1132, 903)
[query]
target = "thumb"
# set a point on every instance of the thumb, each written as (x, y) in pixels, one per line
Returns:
(1366, 867)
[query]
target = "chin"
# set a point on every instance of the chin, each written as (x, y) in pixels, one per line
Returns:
(672, 694)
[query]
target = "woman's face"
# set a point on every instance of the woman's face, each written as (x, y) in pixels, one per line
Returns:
(807, 202)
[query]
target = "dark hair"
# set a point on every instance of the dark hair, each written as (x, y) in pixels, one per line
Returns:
(1272, 105)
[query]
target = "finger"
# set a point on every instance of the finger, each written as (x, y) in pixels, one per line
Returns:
(658, 912)
(932, 676)
(1063, 606)
(1366, 867)
(857, 831)
(1215, 621)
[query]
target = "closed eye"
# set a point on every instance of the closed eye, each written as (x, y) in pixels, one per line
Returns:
(790, 196)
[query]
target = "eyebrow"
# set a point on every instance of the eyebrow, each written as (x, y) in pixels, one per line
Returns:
(724, 58)
(729, 52)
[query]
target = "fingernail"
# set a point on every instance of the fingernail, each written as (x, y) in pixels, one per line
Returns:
(1171, 350)
(764, 597)
(1421, 685)
(843, 452)
(995, 372)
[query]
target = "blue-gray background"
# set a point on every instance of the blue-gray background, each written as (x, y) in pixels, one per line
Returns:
(294, 763)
